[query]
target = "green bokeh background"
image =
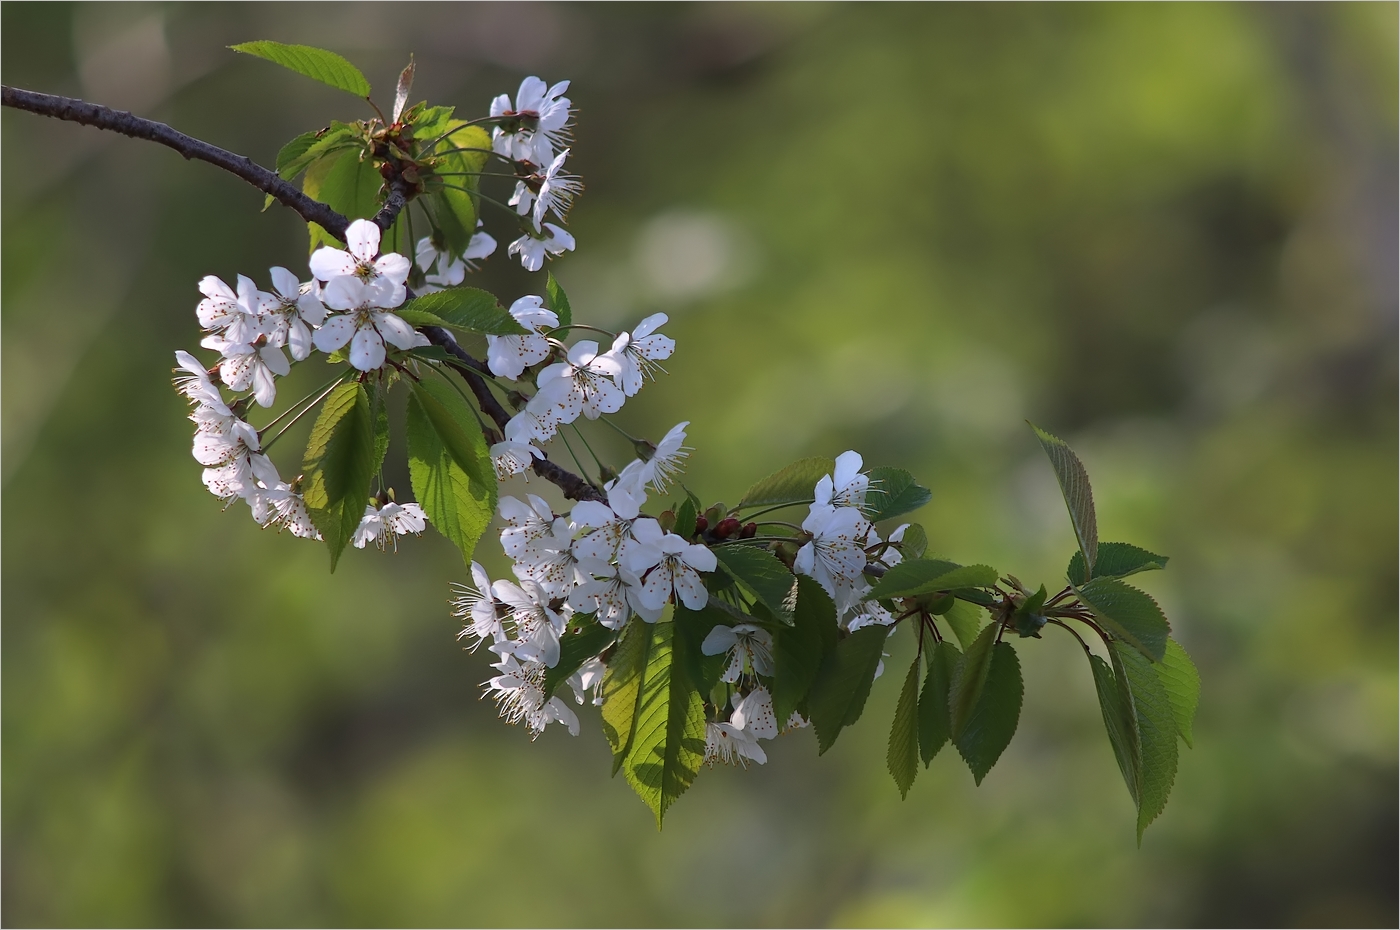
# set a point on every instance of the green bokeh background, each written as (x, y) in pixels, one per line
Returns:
(1166, 232)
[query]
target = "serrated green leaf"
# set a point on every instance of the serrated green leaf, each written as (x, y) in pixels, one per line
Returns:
(992, 723)
(1156, 732)
(913, 577)
(338, 466)
(968, 679)
(1115, 560)
(798, 649)
(1182, 683)
(345, 183)
(794, 484)
(893, 491)
(466, 308)
(685, 520)
(837, 696)
(558, 300)
(449, 464)
(1129, 614)
(759, 573)
(583, 640)
(1074, 485)
(315, 63)
(429, 123)
(902, 757)
(914, 543)
(965, 620)
(292, 152)
(935, 728)
(622, 686)
(1117, 707)
(668, 743)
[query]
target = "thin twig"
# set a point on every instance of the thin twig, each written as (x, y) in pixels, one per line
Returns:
(124, 123)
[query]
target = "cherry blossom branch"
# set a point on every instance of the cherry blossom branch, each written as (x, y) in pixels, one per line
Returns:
(471, 369)
(126, 124)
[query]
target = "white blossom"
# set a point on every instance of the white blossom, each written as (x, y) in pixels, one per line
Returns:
(519, 693)
(666, 461)
(508, 356)
(526, 524)
(753, 713)
(746, 644)
(289, 313)
(221, 311)
(641, 351)
(835, 556)
(364, 262)
(550, 561)
(582, 384)
(246, 365)
(533, 246)
(384, 525)
(537, 627)
(364, 325)
(729, 744)
(288, 511)
(475, 606)
(846, 489)
(511, 458)
(555, 192)
(534, 124)
(196, 385)
(667, 563)
(589, 677)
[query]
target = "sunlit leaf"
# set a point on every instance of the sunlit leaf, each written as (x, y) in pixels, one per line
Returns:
(315, 63)
(338, 466)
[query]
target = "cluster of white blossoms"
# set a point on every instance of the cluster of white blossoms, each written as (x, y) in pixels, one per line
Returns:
(601, 559)
(528, 132)
(347, 301)
(843, 539)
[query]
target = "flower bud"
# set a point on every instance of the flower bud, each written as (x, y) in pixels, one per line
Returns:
(726, 528)
(749, 531)
(702, 523)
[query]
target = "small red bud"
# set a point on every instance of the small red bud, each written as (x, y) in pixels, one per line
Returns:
(701, 524)
(749, 531)
(726, 528)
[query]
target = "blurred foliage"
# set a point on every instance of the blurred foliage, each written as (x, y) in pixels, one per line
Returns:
(1166, 232)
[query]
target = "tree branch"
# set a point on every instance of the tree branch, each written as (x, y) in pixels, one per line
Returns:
(124, 123)
(573, 486)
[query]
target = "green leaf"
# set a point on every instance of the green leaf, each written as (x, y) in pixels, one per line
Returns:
(668, 743)
(694, 625)
(935, 728)
(759, 573)
(558, 300)
(798, 649)
(1116, 704)
(968, 679)
(379, 412)
(347, 184)
(466, 308)
(453, 210)
(1079, 497)
(1182, 683)
(315, 63)
(838, 694)
(685, 520)
(449, 464)
(913, 577)
(431, 122)
(794, 484)
(914, 543)
(902, 758)
(992, 723)
(338, 466)
(579, 643)
(965, 620)
(291, 153)
(1156, 726)
(1028, 618)
(622, 687)
(1129, 614)
(893, 491)
(1115, 560)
